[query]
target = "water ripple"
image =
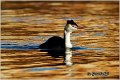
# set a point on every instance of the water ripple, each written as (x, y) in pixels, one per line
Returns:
(42, 69)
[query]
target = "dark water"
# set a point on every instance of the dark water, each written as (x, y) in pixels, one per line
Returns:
(26, 25)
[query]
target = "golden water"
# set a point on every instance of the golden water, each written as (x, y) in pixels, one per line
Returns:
(29, 24)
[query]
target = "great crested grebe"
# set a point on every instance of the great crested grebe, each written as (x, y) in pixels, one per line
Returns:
(56, 42)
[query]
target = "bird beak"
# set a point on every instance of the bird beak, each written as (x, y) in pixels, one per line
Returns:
(80, 27)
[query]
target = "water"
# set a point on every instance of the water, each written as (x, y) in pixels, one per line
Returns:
(29, 24)
(41, 69)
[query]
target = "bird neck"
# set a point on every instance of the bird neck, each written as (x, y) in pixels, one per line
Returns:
(67, 39)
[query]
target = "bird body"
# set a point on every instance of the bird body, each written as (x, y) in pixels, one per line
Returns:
(54, 42)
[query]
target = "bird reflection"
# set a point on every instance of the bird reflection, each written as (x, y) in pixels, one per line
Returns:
(58, 53)
(68, 57)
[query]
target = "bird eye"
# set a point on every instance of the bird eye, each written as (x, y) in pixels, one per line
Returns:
(74, 26)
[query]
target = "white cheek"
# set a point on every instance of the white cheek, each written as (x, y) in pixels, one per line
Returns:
(71, 28)
(74, 28)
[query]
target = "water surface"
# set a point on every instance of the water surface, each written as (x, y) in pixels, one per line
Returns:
(26, 25)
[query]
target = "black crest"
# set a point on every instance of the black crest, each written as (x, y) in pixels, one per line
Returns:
(71, 22)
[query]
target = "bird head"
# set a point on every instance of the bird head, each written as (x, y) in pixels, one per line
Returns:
(71, 26)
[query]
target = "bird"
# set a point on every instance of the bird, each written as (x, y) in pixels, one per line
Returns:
(59, 44)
